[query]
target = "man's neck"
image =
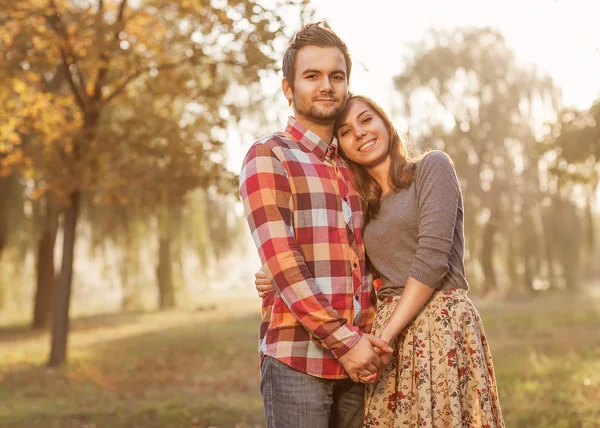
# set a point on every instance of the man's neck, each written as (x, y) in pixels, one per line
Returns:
(323, 130)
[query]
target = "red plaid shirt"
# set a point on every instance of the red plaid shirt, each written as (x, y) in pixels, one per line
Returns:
(306, 220)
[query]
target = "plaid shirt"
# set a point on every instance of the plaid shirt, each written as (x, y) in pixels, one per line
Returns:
(306, 220)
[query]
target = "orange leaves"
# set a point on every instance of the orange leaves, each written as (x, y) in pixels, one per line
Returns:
(19, 87)
(9, 161)
(144, 140)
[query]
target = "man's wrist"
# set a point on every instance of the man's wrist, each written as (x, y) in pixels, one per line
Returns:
(342, 340)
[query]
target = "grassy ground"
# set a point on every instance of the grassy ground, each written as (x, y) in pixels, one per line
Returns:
(199, 369)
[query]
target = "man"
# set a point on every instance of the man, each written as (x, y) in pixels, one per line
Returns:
(306, 219)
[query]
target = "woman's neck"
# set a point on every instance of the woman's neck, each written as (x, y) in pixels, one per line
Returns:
(381, 174)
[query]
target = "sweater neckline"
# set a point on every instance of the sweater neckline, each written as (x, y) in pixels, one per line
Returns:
(386, 195)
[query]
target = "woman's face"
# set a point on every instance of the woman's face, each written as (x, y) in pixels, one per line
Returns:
(363, 135)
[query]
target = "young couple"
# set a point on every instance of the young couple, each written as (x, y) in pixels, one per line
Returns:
(337, 186)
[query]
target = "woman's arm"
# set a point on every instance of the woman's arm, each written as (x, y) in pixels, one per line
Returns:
(438, 193)
(414, 297)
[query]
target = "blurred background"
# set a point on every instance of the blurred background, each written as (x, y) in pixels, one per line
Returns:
(126, 267)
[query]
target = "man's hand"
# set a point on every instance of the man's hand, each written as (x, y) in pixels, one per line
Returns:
(363, 359)
(263, 285)
(386, 357)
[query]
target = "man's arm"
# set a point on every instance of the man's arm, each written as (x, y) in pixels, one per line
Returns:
(266, 193)
(359, 360)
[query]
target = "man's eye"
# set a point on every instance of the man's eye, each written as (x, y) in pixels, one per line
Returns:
(338, 77)
(311, 76)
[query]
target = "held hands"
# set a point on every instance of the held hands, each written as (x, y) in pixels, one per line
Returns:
(385, 359)
(366, 358)
(364, 361)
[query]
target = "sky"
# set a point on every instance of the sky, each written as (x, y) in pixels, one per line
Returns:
(561, 37)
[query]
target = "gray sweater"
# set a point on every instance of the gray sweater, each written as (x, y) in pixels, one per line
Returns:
(419, 231)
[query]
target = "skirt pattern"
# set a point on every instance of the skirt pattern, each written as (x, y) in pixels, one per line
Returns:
(441, 373)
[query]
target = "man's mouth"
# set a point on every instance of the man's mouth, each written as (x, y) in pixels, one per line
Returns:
(367, 145)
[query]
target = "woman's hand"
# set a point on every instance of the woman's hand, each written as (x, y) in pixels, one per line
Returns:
(386, 358)
(263, 285)
(368, 379)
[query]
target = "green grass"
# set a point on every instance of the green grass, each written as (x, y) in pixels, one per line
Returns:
(200, 369)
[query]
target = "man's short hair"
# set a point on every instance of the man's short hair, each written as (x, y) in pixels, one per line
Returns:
(315, 34)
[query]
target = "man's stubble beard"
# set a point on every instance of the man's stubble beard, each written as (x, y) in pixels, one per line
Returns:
(320, 115)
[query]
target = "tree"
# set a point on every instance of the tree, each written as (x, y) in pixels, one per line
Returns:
(464, 92)
(104, 50)
(572, 151)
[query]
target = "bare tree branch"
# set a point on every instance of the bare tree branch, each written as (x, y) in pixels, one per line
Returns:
(103, 70)
(139, 72)
(121, 10)
(67, 55)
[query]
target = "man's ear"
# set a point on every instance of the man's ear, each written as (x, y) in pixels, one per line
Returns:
(287, 90)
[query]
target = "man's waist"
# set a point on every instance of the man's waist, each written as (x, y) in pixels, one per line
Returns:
(305, 356)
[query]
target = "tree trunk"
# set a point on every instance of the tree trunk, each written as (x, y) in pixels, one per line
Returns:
(531, 249)
(130, 263)
(164, 270)
(62, 295)
(487, 253)
(166, 290)
(45, 267)
(7, 209)
(5, 194)
(512, 273)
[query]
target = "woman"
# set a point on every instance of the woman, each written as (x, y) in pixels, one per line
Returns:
(441, 373)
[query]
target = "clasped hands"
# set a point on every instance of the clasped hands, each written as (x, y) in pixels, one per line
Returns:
(364, 360)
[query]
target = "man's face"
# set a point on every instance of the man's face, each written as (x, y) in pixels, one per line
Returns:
(320, 84)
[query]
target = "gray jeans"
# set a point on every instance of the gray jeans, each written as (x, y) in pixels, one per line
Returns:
(296, 400)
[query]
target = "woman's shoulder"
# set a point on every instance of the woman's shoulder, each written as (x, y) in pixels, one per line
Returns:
(434, 160)
(435, 157)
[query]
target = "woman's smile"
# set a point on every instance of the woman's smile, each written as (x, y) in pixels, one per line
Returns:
(368, 145)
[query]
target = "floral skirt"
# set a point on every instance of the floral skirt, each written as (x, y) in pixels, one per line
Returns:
(441, 373)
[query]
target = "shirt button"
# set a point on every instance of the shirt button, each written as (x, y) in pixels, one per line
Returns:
(356, 298)
(355, 265)
(345, 199)
(350, 232)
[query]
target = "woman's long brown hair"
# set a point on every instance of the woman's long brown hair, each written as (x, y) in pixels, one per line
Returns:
(402, 168)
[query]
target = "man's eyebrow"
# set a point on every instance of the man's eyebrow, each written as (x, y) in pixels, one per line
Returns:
(310, 70)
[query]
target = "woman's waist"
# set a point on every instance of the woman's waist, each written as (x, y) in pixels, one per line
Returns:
(395, 292)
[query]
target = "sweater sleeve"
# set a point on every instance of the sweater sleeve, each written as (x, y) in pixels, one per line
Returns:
(438, 194)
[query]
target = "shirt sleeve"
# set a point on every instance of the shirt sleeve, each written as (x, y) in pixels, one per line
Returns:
(438, 195)
(266, 193)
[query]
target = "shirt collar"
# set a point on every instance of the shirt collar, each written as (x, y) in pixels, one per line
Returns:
(310, 140)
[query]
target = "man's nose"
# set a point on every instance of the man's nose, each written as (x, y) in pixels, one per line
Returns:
(326, 85)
